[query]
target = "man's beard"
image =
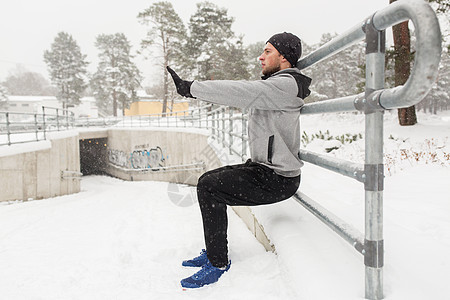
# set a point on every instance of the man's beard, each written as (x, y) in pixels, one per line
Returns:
(271, 71)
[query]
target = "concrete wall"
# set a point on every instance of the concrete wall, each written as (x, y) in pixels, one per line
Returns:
(154, 149)
(35, 172)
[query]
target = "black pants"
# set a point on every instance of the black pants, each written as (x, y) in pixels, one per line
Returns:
(246, 184)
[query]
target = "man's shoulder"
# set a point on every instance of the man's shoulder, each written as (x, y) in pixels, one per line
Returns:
(303, 81)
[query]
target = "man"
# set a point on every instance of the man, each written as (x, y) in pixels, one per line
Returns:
(273, 173)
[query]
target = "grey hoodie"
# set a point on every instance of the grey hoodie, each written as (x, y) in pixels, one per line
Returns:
(274, 114)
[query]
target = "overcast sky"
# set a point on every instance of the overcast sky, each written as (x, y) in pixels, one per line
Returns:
(28, 27)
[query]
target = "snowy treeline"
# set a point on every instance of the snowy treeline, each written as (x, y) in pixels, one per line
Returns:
(204, 48)
(439, 96)
(207, 48)
(21, 82)
(115, 82)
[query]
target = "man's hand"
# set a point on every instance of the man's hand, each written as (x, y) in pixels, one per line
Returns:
(183, 86)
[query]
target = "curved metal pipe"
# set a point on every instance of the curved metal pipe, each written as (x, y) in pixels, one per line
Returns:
(426, 62)
(428, 51)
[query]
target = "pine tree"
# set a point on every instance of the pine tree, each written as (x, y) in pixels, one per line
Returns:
(168, 32)
(67, 68)
(339, 75)
(215, 51)
(443, 5)
(117, 77)
(233, 58)
(253, 52)
(439, 96)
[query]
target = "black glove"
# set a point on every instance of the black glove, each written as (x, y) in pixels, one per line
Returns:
(183, 86)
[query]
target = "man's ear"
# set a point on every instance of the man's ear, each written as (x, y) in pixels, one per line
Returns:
(284, 61)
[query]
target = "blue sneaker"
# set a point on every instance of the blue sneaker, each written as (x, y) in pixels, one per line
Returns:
(198, 261)
(207, 275)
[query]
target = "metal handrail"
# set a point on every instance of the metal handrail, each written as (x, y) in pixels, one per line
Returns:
(199, 166)
(15, 125)
(373, 102)
(427, 57)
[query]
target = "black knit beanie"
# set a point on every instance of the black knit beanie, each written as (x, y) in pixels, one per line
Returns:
(289, 45)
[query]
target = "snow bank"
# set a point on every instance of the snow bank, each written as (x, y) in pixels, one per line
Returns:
(122, 240)
(126, 240)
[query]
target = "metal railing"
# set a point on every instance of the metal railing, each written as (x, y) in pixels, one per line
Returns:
(18, 127)
(373, 102)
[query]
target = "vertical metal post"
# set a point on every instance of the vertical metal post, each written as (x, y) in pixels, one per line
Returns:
(57, 119)
(243, 129)
(223, 127)
(36, 127)
(8, 129)
(213, 125)
(373, 169)
(230, 123)
(206, 118)
(218, 125)
(43, 122)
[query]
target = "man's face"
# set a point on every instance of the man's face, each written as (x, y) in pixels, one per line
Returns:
(270, 60)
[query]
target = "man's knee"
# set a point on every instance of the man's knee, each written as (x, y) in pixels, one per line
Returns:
(208, 181)
(205, 175)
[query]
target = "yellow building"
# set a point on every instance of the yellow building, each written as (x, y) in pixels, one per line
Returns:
(148, 107)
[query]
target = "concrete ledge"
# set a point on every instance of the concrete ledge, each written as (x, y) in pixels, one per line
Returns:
(245, 213)
(85, 134)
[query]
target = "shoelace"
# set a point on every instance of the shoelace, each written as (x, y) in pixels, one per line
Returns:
(201, 254)
(205, 270)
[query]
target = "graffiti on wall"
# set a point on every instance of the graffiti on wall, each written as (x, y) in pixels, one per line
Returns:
(147, 159)
(152, 159)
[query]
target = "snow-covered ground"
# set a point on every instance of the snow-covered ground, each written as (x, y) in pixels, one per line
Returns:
(126, 240)
(416, 214)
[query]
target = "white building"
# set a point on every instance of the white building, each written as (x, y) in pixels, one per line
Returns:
(34, 104)
(31, 104)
